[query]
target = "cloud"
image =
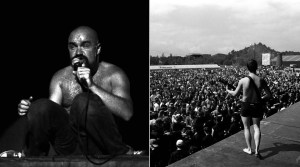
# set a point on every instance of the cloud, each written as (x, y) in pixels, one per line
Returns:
(213, 27)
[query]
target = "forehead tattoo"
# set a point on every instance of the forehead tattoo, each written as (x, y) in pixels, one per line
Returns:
(78, 38)
(83, 35)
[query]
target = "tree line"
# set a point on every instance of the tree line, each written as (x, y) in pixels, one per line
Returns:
(232, 58)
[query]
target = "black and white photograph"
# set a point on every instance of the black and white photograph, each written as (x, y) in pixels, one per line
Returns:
(75, 84)
(224, 83)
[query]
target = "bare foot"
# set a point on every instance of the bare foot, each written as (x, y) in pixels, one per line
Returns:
(247, 150)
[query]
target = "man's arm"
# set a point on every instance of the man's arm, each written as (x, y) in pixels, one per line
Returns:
(267, 90)
(237, 90)
(119, 100)
(55, 92)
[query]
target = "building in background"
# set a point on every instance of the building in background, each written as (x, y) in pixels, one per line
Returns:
(286, 61)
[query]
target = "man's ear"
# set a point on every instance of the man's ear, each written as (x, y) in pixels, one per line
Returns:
(98, 48)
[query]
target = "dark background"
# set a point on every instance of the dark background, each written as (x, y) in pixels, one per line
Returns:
(34, 46)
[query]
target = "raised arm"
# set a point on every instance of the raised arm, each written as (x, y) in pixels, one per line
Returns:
(237, 90)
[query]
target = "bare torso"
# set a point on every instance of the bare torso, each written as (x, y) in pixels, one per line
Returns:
(70, 87)
(249, 93)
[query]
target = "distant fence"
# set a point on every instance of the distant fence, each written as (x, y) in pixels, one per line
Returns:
(184, 66)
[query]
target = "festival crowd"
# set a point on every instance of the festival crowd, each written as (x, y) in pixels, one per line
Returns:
(191, 110)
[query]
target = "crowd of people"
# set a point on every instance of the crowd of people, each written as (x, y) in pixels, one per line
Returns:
(191, 110)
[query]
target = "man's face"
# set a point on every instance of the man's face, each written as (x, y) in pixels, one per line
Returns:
(84, 43)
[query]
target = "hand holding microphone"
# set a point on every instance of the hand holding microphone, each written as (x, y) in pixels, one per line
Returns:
(81, 71)
(83, 74)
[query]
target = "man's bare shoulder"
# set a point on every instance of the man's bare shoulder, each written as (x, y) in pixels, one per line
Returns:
(244, 79)
(110, 70)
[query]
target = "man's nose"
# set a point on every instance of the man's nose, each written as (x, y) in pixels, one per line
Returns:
(78, 51)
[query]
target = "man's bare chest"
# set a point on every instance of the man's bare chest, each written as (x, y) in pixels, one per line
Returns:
(71, 88)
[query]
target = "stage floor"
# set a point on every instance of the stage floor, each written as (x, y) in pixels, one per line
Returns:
(280, 145)
(75, 161)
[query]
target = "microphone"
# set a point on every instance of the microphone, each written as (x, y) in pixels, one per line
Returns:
(83, 82)
(80, 61)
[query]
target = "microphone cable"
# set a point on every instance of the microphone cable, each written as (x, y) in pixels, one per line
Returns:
(83, 85)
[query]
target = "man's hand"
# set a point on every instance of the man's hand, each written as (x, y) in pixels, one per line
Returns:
(84, 73)
(23, 106)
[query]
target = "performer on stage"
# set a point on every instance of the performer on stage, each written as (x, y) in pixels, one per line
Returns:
(84, 96)
(252, 104)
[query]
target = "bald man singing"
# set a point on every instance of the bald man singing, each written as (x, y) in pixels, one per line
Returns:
(84, 97)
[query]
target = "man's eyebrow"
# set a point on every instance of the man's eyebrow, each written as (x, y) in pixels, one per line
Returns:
(86, 42)
(72, 43)
(82, 43)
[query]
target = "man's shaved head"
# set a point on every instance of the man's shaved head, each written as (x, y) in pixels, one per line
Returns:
(86, 31)
(84, 41)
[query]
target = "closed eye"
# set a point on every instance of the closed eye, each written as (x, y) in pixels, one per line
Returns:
(86, 44)
(71, 46)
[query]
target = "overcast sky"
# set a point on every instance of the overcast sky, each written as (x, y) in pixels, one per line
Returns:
(181, 27)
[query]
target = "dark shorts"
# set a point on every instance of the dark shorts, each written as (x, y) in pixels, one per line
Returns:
(254, 110)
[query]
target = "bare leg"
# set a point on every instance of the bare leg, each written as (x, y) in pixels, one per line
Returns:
(257, 134)
(247, 133)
